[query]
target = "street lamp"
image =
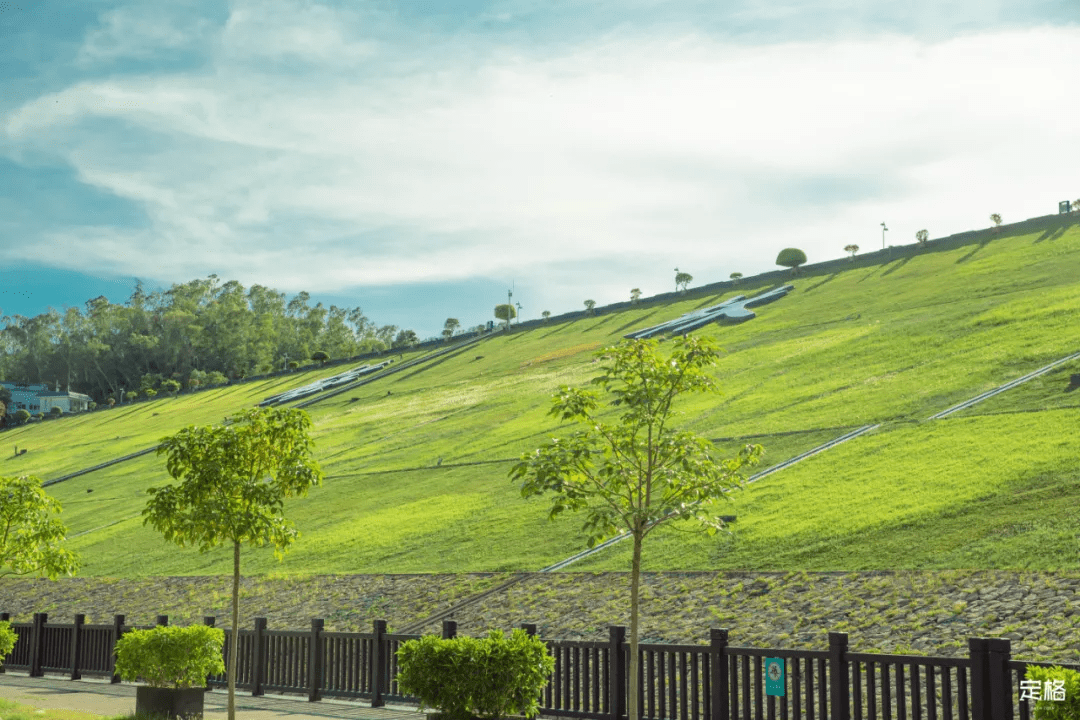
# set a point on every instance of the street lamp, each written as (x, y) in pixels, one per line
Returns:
(883, 229)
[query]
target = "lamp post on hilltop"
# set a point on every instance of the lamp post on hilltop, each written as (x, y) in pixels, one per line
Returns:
(883, 229)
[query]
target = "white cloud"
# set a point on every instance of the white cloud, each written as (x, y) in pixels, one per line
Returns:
(655, 151)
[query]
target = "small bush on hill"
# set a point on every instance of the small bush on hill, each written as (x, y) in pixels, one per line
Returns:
(56, 412)
(22, 416)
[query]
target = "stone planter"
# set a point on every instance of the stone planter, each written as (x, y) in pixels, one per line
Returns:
(169, 702)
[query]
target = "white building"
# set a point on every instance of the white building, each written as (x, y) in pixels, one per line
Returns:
(38, 398)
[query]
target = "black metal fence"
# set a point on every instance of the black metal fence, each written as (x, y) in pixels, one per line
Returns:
(676, 682)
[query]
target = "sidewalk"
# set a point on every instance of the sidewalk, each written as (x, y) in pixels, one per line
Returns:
(101, 697)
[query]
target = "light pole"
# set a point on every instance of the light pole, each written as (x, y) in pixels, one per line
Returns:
(883, 229)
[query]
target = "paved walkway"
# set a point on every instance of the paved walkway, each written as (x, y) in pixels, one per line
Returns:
(101, 697)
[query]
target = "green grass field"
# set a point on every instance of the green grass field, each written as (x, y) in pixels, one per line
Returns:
(888, 343)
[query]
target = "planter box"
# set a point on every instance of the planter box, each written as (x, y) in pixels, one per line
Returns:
(169, 702)
(440, 716)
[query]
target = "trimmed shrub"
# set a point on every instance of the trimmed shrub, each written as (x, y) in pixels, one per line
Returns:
(171, 656)
(468, 677)
(150, 393)
(792, 258)
(171, 386)
(320, 357)
(133, 396)
(56, 411)
(1068, 707)
(293, 365)
(7, 639)
(91, 405)
(216, 378)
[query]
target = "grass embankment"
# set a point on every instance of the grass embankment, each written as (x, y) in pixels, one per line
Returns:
(890, 343)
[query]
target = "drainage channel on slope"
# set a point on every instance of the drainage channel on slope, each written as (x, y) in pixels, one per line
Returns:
(1003, 388)
(303, 404)
(448, 612)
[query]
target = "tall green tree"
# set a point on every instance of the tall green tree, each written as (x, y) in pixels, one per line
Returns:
(639, 473)
(735, 277)
(922, 236)
(234, 481)
(851, 249)
(449, 327)
(30, 536)
(589, 305)
(635, 295)
(996, 219)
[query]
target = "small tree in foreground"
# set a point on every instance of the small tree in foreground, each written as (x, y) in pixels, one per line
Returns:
(996, 219)
(29, 536)
(735, 277)
(792, 258)
(922, 236)
(589, 305)
(851, 249)
(235, 480)
(635, 295)
(639, 473)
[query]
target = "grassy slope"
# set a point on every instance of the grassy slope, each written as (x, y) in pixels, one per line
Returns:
(893, 343)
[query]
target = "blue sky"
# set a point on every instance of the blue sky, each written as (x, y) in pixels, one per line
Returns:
(415, 158)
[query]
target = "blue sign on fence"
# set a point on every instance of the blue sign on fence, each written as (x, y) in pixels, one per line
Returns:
(774, 676)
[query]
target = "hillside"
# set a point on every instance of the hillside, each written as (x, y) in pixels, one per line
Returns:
(858, 343)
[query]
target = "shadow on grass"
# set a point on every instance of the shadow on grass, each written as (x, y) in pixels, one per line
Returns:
(982, 243)
(1050, 235)
(640, 321)
(830, 278)
(897, 266)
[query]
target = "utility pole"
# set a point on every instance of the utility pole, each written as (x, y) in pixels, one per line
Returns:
(883, 229)
(509, 305)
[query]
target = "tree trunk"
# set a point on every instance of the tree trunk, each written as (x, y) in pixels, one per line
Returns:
(633, 711)
(233, 644)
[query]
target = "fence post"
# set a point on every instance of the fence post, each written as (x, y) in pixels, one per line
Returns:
(117, 631)
(718, 674)
(449, 629)
(258, 673)
(1000, 679)
(208, 621)
(977, 649)
(4, 617)
(839, 677)
(315, 661)
(37, 641)
(380, 663)
(76, 645)
(617, 677)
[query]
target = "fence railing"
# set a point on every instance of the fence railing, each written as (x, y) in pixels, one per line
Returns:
(676, 682)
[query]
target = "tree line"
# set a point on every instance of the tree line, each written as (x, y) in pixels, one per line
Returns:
(194, 333)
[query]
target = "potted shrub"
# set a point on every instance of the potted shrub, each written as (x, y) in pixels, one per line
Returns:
(466, 678)
(174, 662)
